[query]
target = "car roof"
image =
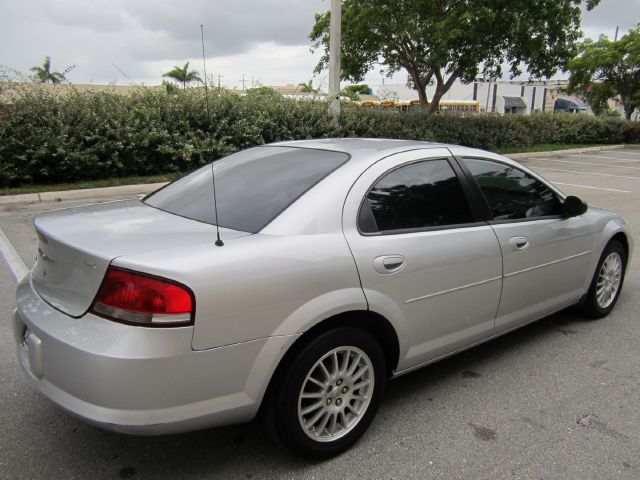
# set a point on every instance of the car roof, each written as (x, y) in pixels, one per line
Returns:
(364, 152)
(357, 147)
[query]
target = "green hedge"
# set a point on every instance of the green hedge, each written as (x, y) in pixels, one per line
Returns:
(48, 138)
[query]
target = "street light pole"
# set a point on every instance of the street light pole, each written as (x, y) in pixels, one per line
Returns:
(334, 59)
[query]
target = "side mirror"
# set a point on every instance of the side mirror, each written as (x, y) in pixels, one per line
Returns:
(574, 206)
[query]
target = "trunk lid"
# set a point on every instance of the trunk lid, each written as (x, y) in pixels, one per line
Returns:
(76, 246)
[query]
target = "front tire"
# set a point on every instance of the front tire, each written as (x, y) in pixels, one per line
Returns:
(606, 283)
(328, 393)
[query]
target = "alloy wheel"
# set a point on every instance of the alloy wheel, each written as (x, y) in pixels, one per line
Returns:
(609, 278)
(336, 393)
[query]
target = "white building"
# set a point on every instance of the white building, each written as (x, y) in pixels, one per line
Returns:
(502, 96)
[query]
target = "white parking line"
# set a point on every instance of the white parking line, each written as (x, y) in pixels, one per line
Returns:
(630, 160)
(624, 152)
(587, 173)
(593, 188)
(586, 163)
(18, 269)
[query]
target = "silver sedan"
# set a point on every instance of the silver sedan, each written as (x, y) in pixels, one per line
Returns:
(294, 279)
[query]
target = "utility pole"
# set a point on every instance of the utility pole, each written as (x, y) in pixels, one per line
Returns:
(615, 39)
(219, 81)
(334, 59)
(243, 81)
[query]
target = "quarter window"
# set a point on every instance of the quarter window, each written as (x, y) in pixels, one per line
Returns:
(512, 193)
(419, 195)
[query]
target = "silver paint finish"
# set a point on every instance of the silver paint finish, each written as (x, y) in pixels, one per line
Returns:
(548, 264)
(141, 380)
(260, 285)
(455, 273)
(441, 291)
(79, 243)
(549, 273)
(424, 297)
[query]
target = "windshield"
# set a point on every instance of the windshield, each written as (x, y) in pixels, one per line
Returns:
(252, 187)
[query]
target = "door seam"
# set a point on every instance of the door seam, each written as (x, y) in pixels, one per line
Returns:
(495, 317)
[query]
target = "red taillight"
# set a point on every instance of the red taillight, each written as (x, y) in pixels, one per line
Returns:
(141, 299)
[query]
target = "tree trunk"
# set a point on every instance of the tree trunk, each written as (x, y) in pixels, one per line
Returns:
(422, 96)
(628, 109)
(435, 101)
(421, 87)
(442, 87)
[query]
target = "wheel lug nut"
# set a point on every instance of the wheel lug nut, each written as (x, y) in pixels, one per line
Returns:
(339, 382)
(338, 401)
(345, 389)
(328, 401)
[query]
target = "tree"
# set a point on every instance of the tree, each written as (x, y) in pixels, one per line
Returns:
(596, 95)
(183, 75)
(443, 41)
(44, 74)
(307, 87)
(353, 91)
(170, 87)
(607, 69)
(263, 92)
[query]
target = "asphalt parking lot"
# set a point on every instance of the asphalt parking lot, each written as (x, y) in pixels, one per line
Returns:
(559, 399)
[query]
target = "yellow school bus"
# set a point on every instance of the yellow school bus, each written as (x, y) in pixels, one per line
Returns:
(472, 106)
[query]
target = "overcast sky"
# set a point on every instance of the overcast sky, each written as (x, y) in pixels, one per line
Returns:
(136, 40)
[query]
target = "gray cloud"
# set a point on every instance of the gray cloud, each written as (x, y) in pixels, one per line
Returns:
(96, 15)
(231, 26)
(148, 30)
(609, 14)
(145, 37)
(94, 34)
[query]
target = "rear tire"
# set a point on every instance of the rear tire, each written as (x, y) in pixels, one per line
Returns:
(327, 394)
(607, 282)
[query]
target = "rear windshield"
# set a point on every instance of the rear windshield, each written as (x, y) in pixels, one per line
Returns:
(252, 187)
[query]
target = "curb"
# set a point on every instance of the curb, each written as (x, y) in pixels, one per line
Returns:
(83, 194)
(517, 156)
(94, 193)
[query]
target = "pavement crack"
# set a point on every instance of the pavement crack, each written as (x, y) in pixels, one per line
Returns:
(591, 420)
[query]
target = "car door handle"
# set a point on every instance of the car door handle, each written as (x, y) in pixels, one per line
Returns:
(388, 263)
(519, 243)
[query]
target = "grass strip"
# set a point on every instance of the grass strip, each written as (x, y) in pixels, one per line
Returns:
(107, 182)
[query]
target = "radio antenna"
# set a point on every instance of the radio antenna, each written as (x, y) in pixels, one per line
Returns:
(219, 242)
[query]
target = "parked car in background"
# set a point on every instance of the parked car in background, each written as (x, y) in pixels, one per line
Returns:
(568, 105)
(345, 263)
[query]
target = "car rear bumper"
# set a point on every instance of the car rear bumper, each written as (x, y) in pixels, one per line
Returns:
(135, 379)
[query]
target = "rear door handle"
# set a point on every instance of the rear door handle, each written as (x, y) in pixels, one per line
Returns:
(519, 243)
(386, 264)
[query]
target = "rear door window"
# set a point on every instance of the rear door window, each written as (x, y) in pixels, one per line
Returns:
(415, 196)
(252, 187)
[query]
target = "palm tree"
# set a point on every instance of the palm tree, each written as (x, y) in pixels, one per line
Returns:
(43, 74)
(183, 75)
(307, 87)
